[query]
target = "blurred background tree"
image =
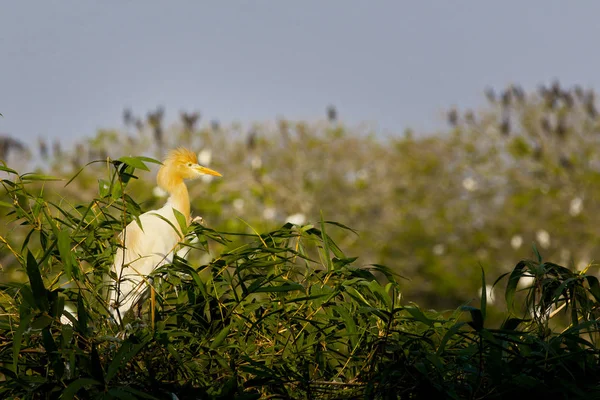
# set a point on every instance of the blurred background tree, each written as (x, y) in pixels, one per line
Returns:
(522, 170)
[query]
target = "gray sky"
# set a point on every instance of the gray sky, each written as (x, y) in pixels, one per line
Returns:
(69, 67)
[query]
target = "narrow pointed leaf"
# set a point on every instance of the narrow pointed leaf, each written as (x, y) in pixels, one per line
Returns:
(37, 284)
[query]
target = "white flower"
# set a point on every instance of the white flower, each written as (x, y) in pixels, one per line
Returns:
(159, 192)
(516, 241)
(576, 206)
(296, 219)
(238, 204)
(543, 238)
(269, 213)
(439, 249)
(204, 157)
(489, 291)
(470, 184)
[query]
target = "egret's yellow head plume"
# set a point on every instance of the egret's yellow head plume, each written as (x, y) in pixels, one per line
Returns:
(181, 156)
(181, 164)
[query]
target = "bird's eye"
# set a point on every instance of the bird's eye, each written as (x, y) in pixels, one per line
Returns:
(189, 164)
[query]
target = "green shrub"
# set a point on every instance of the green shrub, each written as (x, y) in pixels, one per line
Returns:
(283, 314)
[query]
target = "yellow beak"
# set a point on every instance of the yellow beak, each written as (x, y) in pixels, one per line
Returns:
(207, 171)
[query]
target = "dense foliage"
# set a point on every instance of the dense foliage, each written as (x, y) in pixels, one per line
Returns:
(285, 314)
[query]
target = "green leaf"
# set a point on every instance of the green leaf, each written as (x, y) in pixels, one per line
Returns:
(103, 188)
(380, 293)
(5, 204)
(476, 316)
(326, 245)
(6, 169)
(37, 284)
(41, 321)
(449, 334)
(96, 365)
(149, 159)
(126, 173)
(52, 351)
(181, 220)
(484, 294)
(126, 352)
(349, 323)
(39, 177)
(135, 162)
(17, 339)
(117, 191)
(537, 253)
(82, 316)
(594, 286)
(286, 287)
(417, 314)
(71, 390)
(57, 304)
(64, 249)
(122, 393)
(513, 280)
(216, 342)
(28, 297)
(342, 226)
(356, 295)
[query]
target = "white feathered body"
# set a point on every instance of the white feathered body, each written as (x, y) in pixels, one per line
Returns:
(133, 265)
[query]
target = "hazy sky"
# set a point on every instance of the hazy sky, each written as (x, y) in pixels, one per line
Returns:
(69, 67)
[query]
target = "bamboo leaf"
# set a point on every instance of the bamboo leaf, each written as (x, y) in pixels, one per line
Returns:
(64, 249)
(135, 162)
(216, 342)
(417, 314)
(8, 170)
(103, 187)
(476, 317)
(484, 294)
(52, 352)
(41, 321)
(75, 386)
(96, 365)
(18, 337)
(594, 286)
(126, 352)
(286, 287)
(82, 316)
(513, 280)
(39, 177)
(326, 245)
(37, 284)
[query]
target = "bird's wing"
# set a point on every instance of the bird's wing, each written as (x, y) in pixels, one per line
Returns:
(157, 236)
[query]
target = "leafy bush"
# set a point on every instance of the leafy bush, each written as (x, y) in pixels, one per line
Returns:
(521, 169)
(284, 314)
